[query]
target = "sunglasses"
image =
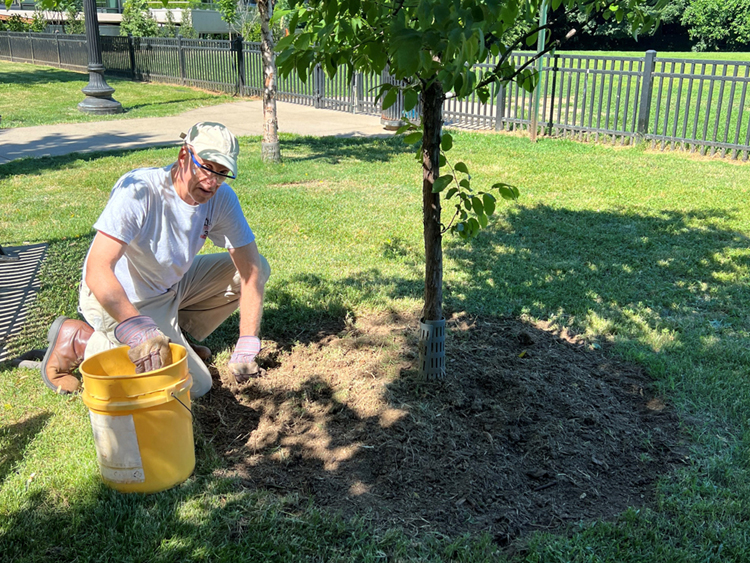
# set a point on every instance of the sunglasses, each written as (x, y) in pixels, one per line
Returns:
(207, 169)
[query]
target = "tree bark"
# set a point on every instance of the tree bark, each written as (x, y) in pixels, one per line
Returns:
(270, 151)
(432, 119)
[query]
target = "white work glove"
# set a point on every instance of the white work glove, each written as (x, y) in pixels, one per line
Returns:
(242, 364)
(149, 347)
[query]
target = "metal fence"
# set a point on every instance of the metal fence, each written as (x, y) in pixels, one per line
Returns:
(696, 105)
(63, 51)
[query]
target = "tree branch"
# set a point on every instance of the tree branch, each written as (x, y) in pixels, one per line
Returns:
(494, 74)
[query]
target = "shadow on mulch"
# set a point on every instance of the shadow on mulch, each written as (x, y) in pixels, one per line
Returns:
(531, 430)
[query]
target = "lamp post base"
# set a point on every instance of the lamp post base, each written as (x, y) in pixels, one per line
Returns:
(100, 106)
(99, 99)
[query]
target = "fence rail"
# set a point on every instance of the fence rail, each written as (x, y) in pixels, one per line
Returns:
(696, 105)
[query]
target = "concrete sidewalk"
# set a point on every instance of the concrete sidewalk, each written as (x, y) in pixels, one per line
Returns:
(243, 118)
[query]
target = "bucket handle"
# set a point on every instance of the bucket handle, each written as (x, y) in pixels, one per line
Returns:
(192, 417)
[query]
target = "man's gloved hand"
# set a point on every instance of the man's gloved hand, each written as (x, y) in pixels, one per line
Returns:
(242, 364)
(149, 347)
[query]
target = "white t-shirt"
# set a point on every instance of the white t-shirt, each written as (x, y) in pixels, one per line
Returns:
(163, 232)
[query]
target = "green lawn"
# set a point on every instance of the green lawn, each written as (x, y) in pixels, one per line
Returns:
(39, 95)
(648, 251)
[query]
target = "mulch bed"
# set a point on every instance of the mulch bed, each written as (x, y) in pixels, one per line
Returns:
(531, 429)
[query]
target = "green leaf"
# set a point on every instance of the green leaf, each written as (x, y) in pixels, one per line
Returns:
(451, 193)
(292, 23)
(404, 128)
(446, 143)
(442, 161)
(412, 138)
(301, 69)
(284, 42)
(410, 99)
(473, 225)
(330, 66)
(529, 80)
(378, 56)
(477, 205)
(464, 183)
(458, 83)
(303, 40)
(483, 94)
(331, 12)
(508, 193)
(489, 203)
(532, 39)
(461, 167)
(390, 98)
(405, 48)
(483, 220)
(441, 183)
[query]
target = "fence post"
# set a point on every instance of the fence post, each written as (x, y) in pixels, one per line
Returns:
(647, 87)
(358, 93)
(500, 110)
(555, 69)
(131, 52)
(31, 40)
(181, 58)
(239, 49)
(318, 85)
(57, 41)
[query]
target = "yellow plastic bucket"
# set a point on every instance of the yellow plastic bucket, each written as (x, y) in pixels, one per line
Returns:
(142, 423)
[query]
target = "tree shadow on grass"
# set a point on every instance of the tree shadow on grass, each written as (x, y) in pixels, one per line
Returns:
(307, 308)
(31, 166)
(200, 520)
(132, 107)
(42, 76)
(655, 285)
(333, 150)
(15, 438)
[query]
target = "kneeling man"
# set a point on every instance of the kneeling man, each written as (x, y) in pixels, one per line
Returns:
(144, 283)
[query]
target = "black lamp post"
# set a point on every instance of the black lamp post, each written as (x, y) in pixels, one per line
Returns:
(98, 93)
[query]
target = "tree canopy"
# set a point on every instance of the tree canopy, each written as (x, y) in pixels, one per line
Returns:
(718, 24)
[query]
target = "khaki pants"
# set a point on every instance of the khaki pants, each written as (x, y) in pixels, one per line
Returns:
(203, 299)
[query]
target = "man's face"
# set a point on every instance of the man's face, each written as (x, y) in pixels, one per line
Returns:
(202, 180)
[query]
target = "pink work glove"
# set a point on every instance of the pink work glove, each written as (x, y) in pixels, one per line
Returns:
(149, 347)
(242, 364)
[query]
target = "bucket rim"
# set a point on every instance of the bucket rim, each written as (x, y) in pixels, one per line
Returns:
(134, 375)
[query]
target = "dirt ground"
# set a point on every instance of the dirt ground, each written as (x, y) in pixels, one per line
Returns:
(531, 429)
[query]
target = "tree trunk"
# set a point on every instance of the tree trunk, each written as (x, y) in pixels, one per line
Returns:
(432, 119)
(270, 151)
(432, 324)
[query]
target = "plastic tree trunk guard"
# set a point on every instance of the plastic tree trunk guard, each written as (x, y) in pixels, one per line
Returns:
(432, 349)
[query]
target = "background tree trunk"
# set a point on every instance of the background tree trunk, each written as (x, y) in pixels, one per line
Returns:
(432, 119)
(270, 151)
